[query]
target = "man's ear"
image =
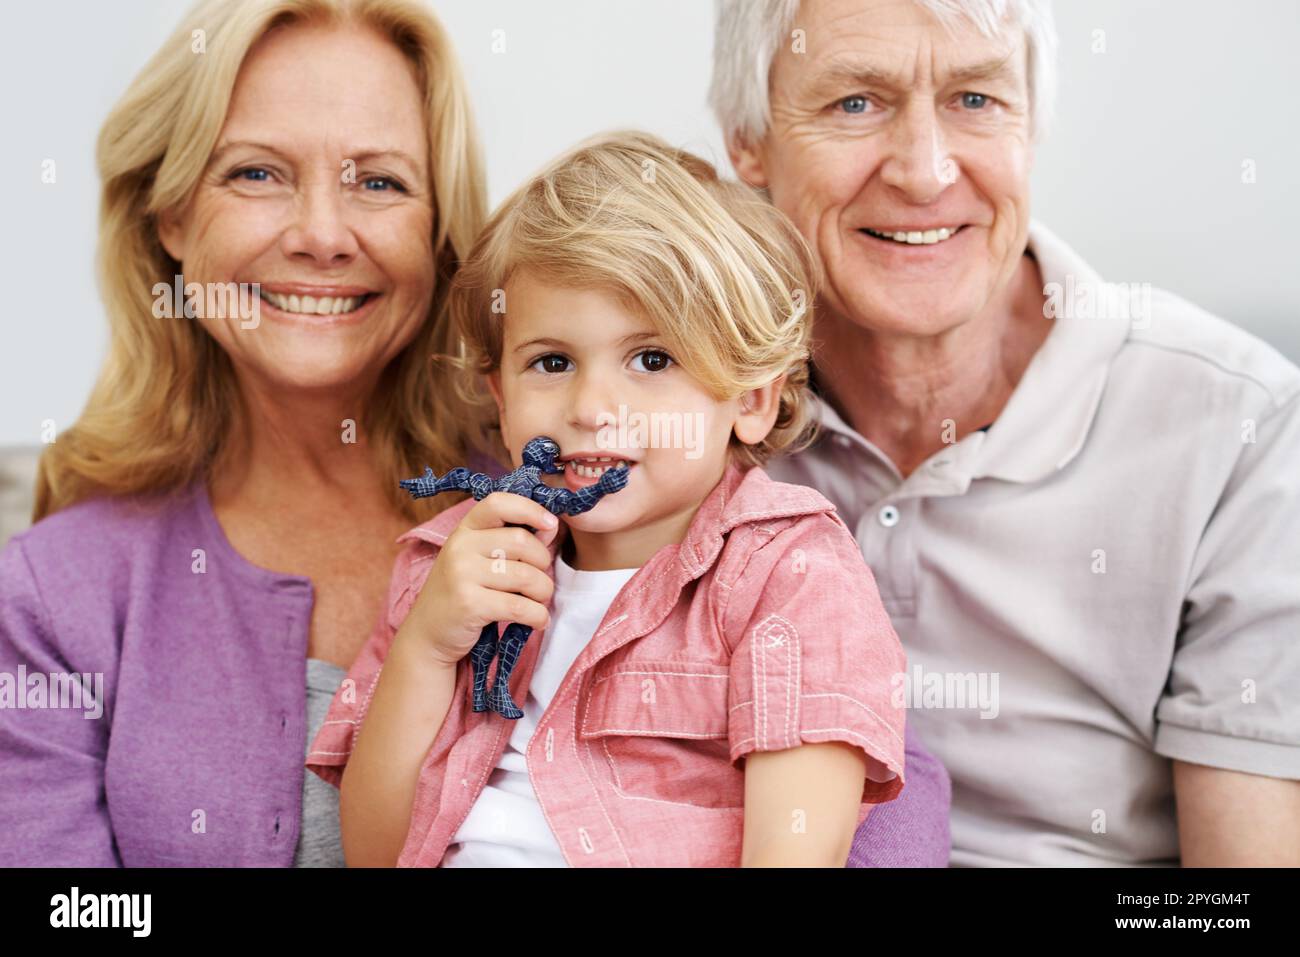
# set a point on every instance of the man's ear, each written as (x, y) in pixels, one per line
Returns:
(758, 411)
(171, 234)
(748, 161)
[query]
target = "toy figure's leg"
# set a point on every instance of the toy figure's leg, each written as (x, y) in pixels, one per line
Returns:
(560, 501)
(512, 643)
(480, 656)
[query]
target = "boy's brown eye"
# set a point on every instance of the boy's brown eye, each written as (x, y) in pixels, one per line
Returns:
(654, 360)
(551, 363)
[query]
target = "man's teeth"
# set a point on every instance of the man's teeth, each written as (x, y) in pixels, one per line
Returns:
(312, 305)
(582, 468)
(915, 238)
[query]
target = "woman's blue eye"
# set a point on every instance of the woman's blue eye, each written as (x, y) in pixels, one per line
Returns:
(374, 184)
(548, 363)
(653, 360)
(974, 101)
(854, 104)
(384, 179)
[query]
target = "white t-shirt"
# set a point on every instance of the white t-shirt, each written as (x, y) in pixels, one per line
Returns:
(506, 827)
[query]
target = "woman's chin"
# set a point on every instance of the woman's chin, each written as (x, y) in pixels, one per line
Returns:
(306, 371)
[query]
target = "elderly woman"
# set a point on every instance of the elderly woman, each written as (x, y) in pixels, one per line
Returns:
(221, 520)
(1082, 504)
(217, 531)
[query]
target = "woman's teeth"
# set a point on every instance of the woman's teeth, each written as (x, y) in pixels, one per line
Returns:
(582, 468)
(315, 306)
(914, 238)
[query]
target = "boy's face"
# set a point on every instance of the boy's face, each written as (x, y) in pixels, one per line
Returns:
(578, 366)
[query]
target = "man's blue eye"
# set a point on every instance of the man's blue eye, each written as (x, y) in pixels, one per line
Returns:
(854, 104)
(974, 101)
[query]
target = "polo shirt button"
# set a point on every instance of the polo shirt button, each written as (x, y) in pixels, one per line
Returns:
(888, 516)
(843, 441)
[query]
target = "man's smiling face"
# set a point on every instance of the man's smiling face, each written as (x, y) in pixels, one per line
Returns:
(901, 149)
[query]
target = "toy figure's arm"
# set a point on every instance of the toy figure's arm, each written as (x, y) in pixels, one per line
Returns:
(456, 480)
(560, 501)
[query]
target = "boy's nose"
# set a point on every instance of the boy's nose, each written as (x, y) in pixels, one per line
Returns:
(591, 405)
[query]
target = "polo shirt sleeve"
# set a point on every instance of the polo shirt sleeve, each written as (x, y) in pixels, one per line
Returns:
(1230, 700)
(52, 807)
(332, 745)
(813, 652)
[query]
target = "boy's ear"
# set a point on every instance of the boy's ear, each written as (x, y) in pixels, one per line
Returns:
(758, 411)
(748, 161)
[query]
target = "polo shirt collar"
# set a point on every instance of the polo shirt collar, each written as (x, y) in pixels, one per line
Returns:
(1046, 421)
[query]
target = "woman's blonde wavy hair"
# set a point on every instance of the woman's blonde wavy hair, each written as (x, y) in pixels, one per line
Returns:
(719, 271)
(166, 397)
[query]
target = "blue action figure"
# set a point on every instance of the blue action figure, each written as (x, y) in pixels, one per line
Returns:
(539, 457)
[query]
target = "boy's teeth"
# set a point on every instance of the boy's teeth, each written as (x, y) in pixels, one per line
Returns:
(311, 305)
(582, 468)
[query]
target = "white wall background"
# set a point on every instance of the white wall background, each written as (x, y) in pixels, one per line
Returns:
(1142, 173)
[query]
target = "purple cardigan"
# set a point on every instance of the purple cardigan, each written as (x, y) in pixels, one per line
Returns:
(190, 752)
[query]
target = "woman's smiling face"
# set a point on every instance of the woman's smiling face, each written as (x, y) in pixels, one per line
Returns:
(318, 187)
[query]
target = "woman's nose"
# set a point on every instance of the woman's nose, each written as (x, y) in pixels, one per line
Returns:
(320, 229)
(917, 164)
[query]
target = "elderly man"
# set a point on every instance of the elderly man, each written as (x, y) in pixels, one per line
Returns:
(1081, 502)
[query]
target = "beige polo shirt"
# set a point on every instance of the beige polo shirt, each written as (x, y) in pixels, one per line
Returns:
(1105, 579)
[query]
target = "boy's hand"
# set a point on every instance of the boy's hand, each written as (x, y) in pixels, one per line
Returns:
(486, 572)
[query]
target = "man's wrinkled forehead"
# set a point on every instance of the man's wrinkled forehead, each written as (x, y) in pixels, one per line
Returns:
(897, 45)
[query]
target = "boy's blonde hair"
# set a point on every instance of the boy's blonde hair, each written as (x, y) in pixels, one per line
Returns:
(723, 276)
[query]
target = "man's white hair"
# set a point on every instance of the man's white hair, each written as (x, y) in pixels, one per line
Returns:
(748, 33)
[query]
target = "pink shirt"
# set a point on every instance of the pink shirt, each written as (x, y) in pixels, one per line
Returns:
(761, 631)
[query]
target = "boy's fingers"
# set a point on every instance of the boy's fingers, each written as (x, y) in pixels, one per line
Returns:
(521, 578)
(547, 535)
(515, 543)
(507, 606)
(503, 508)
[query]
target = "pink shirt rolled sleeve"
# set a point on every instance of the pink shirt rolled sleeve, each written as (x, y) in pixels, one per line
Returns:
(816, 654)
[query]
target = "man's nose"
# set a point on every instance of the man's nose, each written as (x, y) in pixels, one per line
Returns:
(917, 164)
(320, 230)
